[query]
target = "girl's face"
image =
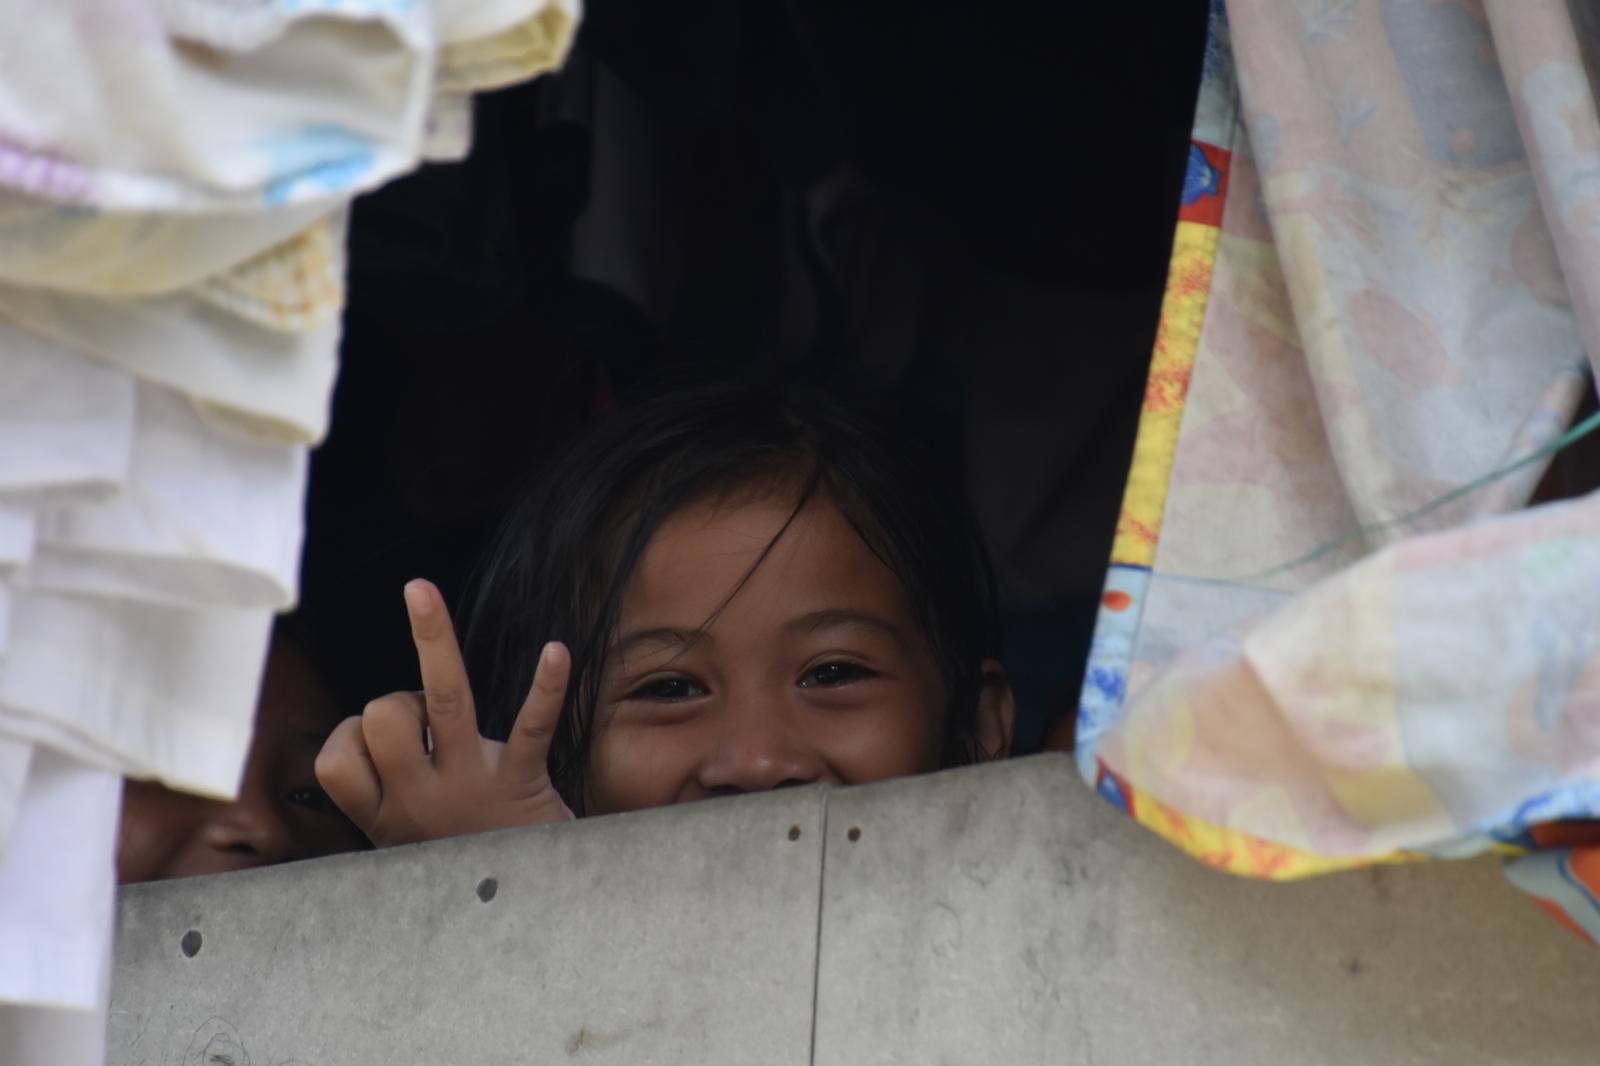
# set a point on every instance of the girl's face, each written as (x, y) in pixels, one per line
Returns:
(281, 813)
(814, 671)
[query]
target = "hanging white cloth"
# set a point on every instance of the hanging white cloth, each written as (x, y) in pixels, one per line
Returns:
(174, 183)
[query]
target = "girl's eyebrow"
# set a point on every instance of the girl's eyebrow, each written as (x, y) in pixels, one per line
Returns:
(811, 622)
(310, 739)
(661, 636)
(834, 617)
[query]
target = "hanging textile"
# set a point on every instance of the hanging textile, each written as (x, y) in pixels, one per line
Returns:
(175, 180)
(1330, 634)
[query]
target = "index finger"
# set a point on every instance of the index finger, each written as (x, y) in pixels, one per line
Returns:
(446, 693)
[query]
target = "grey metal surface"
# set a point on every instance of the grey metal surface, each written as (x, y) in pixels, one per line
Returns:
(672, 936)
(1001, 914)
(1005, 914)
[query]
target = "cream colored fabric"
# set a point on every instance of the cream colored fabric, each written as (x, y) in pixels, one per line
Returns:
(175, 177)
(1330, 634)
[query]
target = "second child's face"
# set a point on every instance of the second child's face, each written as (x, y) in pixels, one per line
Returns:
(814, 671)
(281, 813)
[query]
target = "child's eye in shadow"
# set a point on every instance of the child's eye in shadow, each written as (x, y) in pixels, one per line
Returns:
(668, 690)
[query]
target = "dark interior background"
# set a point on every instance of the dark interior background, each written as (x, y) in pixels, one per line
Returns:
(962, 212)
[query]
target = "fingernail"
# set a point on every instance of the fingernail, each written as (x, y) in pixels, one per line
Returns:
(552, 654)
(417, 599)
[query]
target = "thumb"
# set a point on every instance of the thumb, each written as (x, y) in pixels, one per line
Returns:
(345, 770)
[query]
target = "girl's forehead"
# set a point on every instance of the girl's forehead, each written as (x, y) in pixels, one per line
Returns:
(759, 545)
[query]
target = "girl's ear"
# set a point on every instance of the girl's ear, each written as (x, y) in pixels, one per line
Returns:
(997, 710)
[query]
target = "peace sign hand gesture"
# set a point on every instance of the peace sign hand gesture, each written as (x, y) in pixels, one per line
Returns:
(397, 791)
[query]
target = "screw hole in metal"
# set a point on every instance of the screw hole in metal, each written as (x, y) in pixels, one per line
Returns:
(487, 888)
(190, 944)
(854, 834)
(794, 832)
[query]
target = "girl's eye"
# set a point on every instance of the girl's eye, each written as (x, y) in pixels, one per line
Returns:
(311, 798)
(827, 675)
(668, 690)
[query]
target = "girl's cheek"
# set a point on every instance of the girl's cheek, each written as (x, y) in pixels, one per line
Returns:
(634, 766)
(881, 743)
(156, 825)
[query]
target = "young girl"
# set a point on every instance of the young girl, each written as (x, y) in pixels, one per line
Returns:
(719, 591)
(280, 813)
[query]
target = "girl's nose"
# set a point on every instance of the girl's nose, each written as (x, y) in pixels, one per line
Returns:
(757, 751)
(251, 829)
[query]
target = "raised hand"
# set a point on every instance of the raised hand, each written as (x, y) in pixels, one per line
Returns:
(399, 789)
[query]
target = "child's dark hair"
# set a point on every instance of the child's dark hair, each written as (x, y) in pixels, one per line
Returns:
(563, 559)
